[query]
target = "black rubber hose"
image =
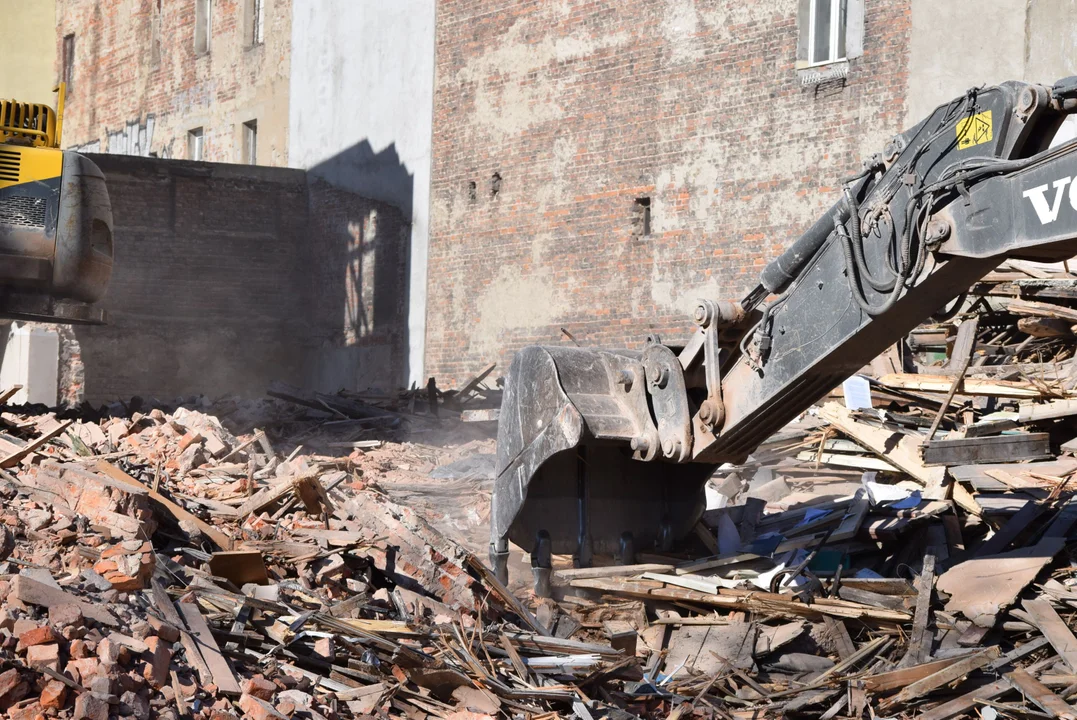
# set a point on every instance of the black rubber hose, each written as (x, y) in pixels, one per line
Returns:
(879, 284)
(852, 277)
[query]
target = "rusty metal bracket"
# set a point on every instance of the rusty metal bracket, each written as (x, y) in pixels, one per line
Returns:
(712, 316)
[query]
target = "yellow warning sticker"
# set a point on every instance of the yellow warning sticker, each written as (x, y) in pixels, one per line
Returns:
(974, 130)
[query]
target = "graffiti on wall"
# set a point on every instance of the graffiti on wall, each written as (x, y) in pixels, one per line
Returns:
(136, 138)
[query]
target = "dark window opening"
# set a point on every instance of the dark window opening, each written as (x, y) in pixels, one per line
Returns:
(641, 217)
(495, 185)
(472, 191)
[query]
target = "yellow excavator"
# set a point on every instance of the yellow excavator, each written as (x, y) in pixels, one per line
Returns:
(55, 221)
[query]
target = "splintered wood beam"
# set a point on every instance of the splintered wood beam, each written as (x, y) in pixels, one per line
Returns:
(893, 446)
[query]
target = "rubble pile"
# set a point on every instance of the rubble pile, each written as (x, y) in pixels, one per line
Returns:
(903, 549)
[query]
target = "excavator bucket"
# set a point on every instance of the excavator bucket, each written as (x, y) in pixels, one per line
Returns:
(575, 424)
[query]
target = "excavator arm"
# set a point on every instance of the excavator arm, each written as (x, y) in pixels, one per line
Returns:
(607, 450)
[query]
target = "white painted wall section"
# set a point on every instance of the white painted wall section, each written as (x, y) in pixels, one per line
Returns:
(361, 110)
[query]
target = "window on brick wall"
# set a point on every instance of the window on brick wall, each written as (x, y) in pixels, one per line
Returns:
(203, 22)
(255, 22)
(829, 31)
(250, 142)
(195, 144)
(641, 217)
(67, 72)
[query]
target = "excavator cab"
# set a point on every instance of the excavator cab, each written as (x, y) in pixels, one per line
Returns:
(55, 221)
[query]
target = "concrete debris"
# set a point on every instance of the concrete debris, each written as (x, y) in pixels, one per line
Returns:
(903, 555)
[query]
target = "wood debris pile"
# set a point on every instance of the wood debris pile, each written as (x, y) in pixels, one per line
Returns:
(153, 565)
(904, 549)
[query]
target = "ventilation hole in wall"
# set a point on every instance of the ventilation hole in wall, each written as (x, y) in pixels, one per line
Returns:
(641, 217)
(472, 190)
(495, 185)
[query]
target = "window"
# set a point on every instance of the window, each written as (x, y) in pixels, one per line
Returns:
(202, 23)
(641, 217)
(67, 73)
(255, 22)
(195, 144)
(250, 142)
(826, 31)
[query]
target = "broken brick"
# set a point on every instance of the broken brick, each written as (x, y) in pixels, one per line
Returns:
(37, 636)
(90, 707)
(158, 657)
(259, 687)
(40, 656)
(54, 695)
(255, 708)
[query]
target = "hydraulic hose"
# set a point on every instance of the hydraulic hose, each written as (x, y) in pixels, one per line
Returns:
(879, 284)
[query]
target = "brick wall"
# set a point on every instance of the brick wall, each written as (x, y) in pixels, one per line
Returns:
(580, 108)
(139, 86)
(228, 277)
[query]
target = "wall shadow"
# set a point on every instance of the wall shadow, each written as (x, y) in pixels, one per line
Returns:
(361, 269)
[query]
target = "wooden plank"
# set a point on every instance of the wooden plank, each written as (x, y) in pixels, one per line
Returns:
(860, 462)
(1055, 629)
(867, 597)
(1008, 533)
(9, 393)
(219, 669)
(179, 513)
(894, 447)
(982, 587)
(569, 574)
(894, 679)
(744, 600)
(966, 702)
(13, 459)
(265, 497)
(919, 648)
(837, 631)
(35, 592)
(853, 519)
(971, 386)
(963, 347)
(1044, 327)
(1064, 520)
(1039, 694)
(1040, 309)
(1019, 652)
(994, 448)
(1034, 412)
(168, 611)
(947, 675)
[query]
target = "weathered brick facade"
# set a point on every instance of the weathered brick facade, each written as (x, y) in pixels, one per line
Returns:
(139, 86)
(552, 118)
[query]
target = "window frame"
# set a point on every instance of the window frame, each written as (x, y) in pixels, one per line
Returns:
(250, 142)
(258, 8)
(196, 138)
(203, 7)
(838, 19)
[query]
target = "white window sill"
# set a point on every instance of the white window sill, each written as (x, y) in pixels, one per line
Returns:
(826, 72)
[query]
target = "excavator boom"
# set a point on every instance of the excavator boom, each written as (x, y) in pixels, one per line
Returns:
(607, 450)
